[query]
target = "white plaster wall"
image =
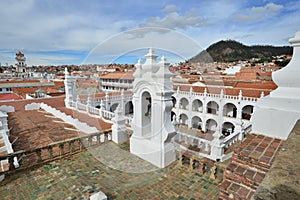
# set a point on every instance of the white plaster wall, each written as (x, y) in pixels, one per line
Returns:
(33, 106)
(7, 109)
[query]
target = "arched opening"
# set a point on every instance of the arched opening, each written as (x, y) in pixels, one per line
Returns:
(212, 107)
(146, 108)
(197, 105)
(184, 103)
(129, 108)
(227, 128)
(183, 119)
(113, 107)
(173, 115)
(98, 106)
(197, 123)
(173, 101)
(229, 110)
(247, 112)
(211, 125)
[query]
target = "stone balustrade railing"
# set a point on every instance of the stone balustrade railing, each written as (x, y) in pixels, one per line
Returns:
(193, 144)
(81, 106)
(83, 101)
(128, 120)
(249, 99)
(202, 147)
(92, 110)
(252, 99)
(53, 151)
(107, 114)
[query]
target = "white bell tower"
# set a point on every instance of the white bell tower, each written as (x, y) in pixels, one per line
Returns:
(20, 62)
(152, 102)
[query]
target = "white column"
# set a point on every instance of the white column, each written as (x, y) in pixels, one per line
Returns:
(119, 134)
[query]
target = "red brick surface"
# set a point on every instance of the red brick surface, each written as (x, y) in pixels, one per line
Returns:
(251, 160)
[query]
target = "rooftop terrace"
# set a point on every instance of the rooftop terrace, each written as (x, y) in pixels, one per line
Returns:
(83, 174)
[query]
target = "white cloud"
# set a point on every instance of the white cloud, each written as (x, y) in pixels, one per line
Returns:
(124, 43)
(258, 13)
(174, 20)
(269, 9)
(169, 8)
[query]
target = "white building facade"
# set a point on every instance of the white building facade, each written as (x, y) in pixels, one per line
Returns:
(209, 112)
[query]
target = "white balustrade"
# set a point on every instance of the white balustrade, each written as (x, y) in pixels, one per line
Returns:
(93, 110)
(203, 145)
(81, 106)
(107, 114)
(128, 120)
(183, 141)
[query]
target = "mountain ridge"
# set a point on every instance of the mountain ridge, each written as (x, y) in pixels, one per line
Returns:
(231, 50)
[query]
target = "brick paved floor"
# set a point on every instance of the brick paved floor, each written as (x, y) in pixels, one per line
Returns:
(84, 174)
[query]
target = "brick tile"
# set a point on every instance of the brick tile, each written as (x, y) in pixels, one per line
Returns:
(234, 187)
(243, 192)
(225, 184)
(231, 167)
(239, 170)
(269, 153)
(258, 178)
(260, 136)
(260, 149)
(250, 195)
(255, 155)
(249, 174)
(265, 159)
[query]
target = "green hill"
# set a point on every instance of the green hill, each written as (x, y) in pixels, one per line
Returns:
(230, 50)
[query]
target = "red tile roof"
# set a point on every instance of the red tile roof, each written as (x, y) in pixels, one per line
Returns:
(9, 96)
(20, 81)
(19, 54)
(265, 85)
(118, 75)
(20, 104)
(58, 103)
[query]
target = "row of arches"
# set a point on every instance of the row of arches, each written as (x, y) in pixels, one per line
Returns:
(229, 109)
(128, 107)
(210, 124)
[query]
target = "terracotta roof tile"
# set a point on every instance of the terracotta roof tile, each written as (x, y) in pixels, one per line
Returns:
(9, 96)
(58, 103)
(35, 129)
(266, 85)
(118, 75)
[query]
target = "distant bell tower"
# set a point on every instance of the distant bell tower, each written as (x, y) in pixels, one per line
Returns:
(152, 103)
(20, 62)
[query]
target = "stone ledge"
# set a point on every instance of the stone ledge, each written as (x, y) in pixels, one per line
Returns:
(282, 181)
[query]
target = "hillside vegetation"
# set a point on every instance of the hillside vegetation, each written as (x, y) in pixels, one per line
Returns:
(230, 50)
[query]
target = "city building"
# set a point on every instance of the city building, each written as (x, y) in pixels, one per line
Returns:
(116, 81)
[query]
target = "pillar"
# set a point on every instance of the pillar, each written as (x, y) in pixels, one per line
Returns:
(119, 134)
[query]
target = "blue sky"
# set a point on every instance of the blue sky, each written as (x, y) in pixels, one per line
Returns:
(75, 32)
